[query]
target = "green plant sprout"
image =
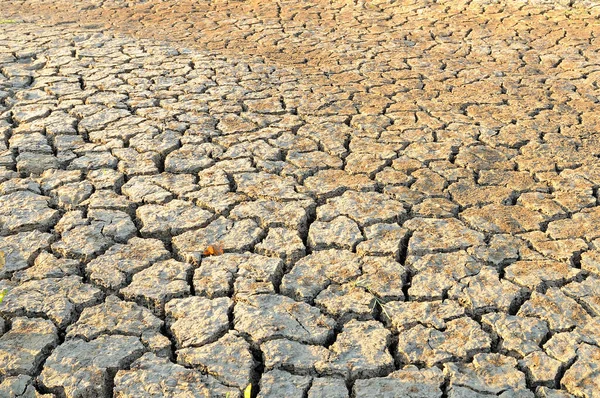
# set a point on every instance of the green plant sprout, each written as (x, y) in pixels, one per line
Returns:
(247, 392)
(362, 283)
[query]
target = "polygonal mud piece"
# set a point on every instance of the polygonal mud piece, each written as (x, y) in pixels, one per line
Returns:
(83, 242)
(228, 359)
(292, 356)
(25, 211)
(431, 235)
(315, 272)
(54, 178)
(25, 345)
(486, 292)
(196, 321)
(364, 163)
(278, 383)
(540, 369)
(114, 268)
(71, 196)
(503, 219)
(247, 273)
(561, 312)
(154, 377)
(383, 277)
(383, 240)
(515, 335)
(93, 161)
(78, 368)
(563, 346)
(159, 188)
(539, 275)
(106, 178)
(270, 213)
(21, 249)
(406, 382)
(115, 316)
(326, 184)
(283, 243)
(545, 392)
(404, 315)
(20, 387)
(338, 233)
(435, 274)
(464, 392)
(281, 317)
(462, 339)
(159, 283)
(468, 194)
(56, 299)
(582, 379)
(233, 236)
(99, 120)
(174, 218)
(116, 224)
(586, 293)
(267, 186)
(366, 208)
(347, 301)
(583, 224)
(329, 387)
(488, 373)
(360, 351)
(502, 249)
(48, 266)
(436, 207)
(218, 199)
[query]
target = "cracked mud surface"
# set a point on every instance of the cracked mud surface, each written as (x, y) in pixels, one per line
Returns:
(406, 194)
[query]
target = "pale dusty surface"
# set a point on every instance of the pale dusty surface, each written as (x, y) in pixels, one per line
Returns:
(406, 193)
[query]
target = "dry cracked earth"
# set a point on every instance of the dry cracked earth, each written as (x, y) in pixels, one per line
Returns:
(406, 193)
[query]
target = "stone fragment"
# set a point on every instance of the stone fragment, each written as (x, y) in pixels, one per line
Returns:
(174, 218)
(488, 373)
(515, 335)
(196, 321)
(23, 211)
(57, 299)
(117, 317)
(338, 233)
(154, 377)
(278, 383)
(560, 311)
(156, 285)
(24, 347)
(366, 208)
(360, 351)
(233, 236)
(79, 368)
(114, 269)
(431, 235)
(283, 243)
(281, 317)
(461, 339)
(228, 360)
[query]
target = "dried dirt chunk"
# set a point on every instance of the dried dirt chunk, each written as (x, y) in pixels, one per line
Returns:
(554, 307)
(25, 345)
(516, 335)
(228, 360)
(406, 382)
(21, 249)
(503, 219)
(281, 317)
(326, 184)
(115, 316)
(174, 218)
(196, 321)
(431, 235)
(283, 243)
(159, 283)
(340, 233)
(154, 377)
(79, 368)
(278, 383)
(25, 211)
(583, 378)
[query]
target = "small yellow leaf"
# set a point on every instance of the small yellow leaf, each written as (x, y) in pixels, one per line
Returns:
(2, 294)
(2, 259)
(248, 391)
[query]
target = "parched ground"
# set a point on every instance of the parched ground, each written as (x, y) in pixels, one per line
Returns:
(406, 193)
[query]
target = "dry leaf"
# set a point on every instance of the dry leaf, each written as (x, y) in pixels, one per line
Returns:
(213, 250)
(2, 259)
